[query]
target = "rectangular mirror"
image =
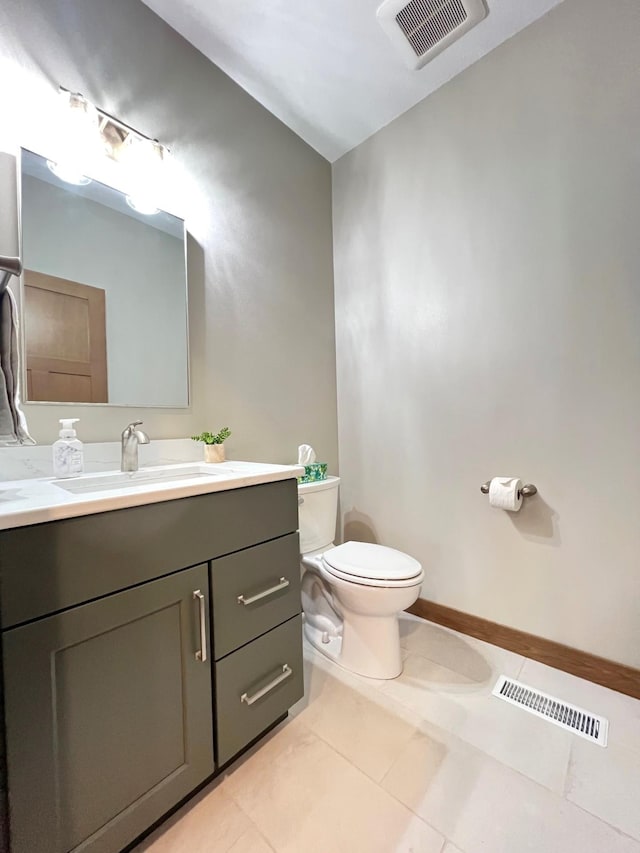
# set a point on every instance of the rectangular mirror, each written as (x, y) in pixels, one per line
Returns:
(104, 295)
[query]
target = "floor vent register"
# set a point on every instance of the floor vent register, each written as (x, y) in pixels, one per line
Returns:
(570, 717)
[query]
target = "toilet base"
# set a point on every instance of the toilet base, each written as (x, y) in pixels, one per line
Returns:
(330, 649)
(369, 645)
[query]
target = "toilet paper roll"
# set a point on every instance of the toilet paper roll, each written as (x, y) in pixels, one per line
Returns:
(506, 493)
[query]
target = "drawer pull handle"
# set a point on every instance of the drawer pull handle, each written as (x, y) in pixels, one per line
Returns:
(286, 672)
(201, 654)
(283, 583)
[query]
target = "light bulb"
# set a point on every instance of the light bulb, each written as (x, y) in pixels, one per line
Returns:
(142, 205)
(142, 158)
(68, 173)
(78, 141)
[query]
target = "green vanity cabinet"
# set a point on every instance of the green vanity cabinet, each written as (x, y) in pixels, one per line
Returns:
(143, 648)
(108, 716)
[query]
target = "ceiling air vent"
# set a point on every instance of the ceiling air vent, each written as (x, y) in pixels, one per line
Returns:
(423, 28)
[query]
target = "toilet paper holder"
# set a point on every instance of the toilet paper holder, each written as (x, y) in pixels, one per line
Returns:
(527, 491)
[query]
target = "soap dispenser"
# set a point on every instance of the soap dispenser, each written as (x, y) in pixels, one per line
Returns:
(67, 451)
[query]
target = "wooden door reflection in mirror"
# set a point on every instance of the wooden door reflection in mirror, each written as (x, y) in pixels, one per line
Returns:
(65, 340)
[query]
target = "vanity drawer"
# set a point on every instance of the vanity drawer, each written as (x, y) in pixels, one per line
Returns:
(256, 685)
(253, 591)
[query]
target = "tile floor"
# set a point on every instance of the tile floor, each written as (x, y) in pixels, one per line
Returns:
(428, 763)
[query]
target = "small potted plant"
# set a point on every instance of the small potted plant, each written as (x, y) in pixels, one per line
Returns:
(213, 444)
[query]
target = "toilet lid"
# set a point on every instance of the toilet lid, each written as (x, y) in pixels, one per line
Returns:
(375, 562)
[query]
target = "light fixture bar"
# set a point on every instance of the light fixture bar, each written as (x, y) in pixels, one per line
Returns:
(108, 122)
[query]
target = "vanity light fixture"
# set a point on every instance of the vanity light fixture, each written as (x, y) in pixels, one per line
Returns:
(87, 135)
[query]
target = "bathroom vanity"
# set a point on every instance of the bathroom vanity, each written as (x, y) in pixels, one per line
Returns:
(144, 647)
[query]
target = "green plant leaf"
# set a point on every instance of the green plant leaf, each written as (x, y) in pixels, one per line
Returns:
(213, 438)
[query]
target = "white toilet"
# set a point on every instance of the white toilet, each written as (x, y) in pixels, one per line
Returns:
(351, 594)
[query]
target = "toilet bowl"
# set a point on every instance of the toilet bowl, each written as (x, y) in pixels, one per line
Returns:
(353, 593)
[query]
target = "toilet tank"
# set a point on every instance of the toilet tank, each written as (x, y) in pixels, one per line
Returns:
(317, 513)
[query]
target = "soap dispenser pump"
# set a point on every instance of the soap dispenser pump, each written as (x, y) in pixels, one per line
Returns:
(67, 451)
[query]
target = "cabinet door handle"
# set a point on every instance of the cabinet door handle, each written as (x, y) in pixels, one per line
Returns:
(201, 654)
(286, 672)
(283, 583)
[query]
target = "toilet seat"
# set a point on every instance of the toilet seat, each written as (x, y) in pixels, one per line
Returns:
(372, 565)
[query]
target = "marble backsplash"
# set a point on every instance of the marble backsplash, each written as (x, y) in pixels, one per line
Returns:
(32, 461)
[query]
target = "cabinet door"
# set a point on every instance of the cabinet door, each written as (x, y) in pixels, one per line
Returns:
(109, 716)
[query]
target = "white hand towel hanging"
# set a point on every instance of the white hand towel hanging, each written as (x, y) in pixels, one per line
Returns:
(13, 424)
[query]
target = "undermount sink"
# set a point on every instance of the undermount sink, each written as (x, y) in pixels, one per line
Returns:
(122, 480)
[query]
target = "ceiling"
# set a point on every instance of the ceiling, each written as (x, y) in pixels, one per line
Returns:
(325, 67)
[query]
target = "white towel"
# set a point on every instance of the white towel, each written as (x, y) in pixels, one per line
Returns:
(13, 424)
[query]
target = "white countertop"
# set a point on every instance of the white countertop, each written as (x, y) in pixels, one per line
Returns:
(36, 500)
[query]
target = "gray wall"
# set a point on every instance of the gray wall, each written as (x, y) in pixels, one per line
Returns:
(487, 267)
(258, 207)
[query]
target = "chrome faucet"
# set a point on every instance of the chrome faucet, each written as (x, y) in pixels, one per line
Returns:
(131, 438)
